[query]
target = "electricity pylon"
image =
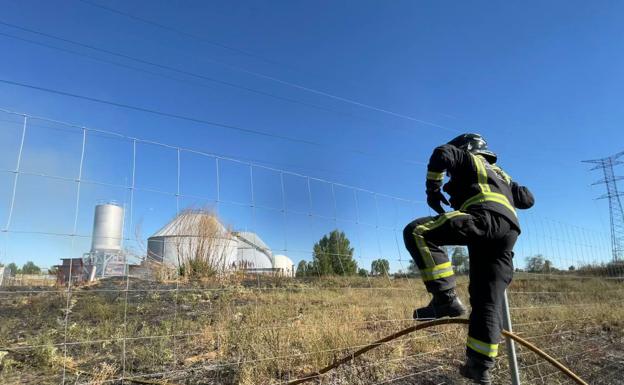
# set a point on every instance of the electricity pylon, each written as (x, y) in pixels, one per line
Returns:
(615, 204)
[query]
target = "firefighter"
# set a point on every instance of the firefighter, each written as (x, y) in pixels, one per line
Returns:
(484, 199)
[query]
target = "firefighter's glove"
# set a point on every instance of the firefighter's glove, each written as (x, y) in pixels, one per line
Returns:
(435, 200)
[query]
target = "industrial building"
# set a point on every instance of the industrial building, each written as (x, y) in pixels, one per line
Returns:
(73, 269)
(5, 275)
(196, 233)
(283, 265)
(191, 234)
(107, 257)
(253, 254)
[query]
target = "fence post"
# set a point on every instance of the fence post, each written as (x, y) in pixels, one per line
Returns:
(511, 347)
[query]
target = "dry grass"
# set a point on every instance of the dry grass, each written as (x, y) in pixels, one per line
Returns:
(204, 247)
(270, 331)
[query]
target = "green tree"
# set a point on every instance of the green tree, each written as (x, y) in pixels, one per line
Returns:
(535, 264)
(30, 268)
(13, 267)
(302, 269)
(362, 272)
(380, 267)
(333, 254)
(460, 260)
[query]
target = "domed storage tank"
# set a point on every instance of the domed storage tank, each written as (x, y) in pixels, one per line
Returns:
(107, 228)
(193, 234)
(284, 265)
(253, 254)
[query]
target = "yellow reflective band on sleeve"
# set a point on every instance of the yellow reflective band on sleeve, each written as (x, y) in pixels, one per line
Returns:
(489, 197)
(442, 270)
(481, 174)
(432, 175)
(490, 350)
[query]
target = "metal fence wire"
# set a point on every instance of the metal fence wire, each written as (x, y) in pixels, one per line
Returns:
(207, 286)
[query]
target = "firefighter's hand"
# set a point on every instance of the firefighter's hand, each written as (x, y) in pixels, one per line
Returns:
(435, 200)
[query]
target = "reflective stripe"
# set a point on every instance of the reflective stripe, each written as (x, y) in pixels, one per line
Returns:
(486, 194)
(502, 173)
(439, 221)
(489, 197)
(481, 174)
(425, 253)
(438, 271)
(432, 175)
(490, 350)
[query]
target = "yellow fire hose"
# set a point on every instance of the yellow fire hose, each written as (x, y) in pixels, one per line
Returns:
(425, 325)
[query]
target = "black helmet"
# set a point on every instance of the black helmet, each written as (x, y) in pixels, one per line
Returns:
(475, 144)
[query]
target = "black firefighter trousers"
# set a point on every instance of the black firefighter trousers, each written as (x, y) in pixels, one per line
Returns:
(490, 239)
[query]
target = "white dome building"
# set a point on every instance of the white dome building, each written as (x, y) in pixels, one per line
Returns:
(196, 233)
(283, 265)
(193, 234)
(253, 254)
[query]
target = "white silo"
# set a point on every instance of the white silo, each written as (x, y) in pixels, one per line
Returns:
(107, 228)
(283, 265)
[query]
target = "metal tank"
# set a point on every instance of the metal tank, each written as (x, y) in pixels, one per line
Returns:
(193, 234)
(107, 227)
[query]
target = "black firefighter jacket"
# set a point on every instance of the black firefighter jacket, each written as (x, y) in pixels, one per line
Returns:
(475, 184)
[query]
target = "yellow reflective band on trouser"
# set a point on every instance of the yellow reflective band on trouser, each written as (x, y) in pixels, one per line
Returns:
(439, 221)
(438, 271)
(490, 350)
(427, 226)
(432, 175)
(481, 173)
(489, 197)
(425, 253)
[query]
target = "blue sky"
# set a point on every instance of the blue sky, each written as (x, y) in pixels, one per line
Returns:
(541, 81)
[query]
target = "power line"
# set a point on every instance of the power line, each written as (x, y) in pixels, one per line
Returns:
(181, 32)
(274, 79)
(183, 81)
(197, 120)
(142, 61)
(168, 68)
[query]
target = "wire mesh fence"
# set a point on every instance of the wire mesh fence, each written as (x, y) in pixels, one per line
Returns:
(228, 271)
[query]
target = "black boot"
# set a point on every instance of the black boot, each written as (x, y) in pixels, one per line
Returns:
(476, 371)
(444, 304)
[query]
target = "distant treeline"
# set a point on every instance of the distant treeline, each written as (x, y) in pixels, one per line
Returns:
(539, 264)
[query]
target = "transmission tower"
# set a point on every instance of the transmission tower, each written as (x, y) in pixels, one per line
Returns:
(615, 205)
